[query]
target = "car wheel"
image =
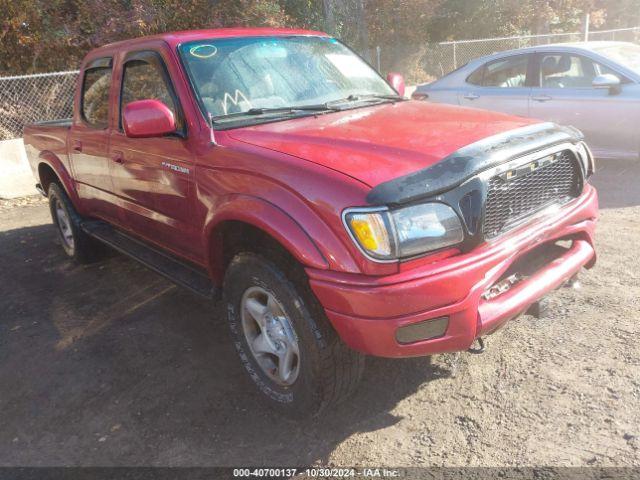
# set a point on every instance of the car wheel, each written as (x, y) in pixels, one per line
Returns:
(285, 343)
(75, 242)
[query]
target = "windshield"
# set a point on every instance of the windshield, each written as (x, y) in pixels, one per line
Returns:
(627, 55)
(260, 73)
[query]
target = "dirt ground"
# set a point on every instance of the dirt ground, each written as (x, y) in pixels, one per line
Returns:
(110, 364)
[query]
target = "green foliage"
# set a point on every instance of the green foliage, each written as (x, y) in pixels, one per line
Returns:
(48, 35)
(458, 19)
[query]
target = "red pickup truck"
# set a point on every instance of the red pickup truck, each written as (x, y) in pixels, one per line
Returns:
(336, 218)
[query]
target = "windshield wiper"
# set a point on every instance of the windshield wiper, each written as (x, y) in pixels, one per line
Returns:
(365, 97)
(294, 108)
(320, 107)
(384, 97)
(332, 105)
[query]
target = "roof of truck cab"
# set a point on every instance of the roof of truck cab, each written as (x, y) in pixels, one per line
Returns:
(176, 38)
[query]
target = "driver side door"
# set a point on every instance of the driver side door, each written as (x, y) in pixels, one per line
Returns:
(564, 94)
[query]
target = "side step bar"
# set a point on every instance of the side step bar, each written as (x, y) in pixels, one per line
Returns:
(174, 269)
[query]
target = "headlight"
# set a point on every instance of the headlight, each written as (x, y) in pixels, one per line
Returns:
(586, 157)
(406, 232)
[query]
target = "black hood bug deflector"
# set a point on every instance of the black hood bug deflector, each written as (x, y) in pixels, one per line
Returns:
(470, 160)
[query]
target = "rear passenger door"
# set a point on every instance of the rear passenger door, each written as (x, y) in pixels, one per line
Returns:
(153, 177)
(89, 139)
(501, 85)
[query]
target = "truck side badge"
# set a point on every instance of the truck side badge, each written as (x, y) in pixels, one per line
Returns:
(175, 168)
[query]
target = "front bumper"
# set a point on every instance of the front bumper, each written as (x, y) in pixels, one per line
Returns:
(367, 311)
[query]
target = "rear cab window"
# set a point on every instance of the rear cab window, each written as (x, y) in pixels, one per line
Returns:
(145, 77)
(96, 84)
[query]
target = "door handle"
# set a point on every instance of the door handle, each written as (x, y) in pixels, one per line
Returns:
(77, 146)
(471, 96)
(541, 98)
(117, 156)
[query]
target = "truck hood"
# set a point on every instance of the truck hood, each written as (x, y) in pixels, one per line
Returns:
(379, 143)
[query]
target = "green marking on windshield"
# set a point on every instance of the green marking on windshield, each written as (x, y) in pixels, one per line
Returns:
(203, 51)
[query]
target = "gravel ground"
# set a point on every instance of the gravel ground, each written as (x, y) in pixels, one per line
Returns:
(112, 365)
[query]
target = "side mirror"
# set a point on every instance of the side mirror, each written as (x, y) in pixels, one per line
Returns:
(147, 118)
(396, 80)
(607, 80)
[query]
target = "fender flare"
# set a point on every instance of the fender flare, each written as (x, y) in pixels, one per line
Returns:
(50, 159)
(267, 217)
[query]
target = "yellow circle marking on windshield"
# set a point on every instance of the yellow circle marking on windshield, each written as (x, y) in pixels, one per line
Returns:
(203, 51)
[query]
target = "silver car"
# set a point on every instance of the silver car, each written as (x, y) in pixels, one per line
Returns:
(594, 86)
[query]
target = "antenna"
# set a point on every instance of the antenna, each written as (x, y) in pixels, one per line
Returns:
(212, 133)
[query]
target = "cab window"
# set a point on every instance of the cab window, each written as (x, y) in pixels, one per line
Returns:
(147, 80)
(95, 96)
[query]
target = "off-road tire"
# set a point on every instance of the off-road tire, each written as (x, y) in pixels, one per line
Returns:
(85, 249)
(329, 370)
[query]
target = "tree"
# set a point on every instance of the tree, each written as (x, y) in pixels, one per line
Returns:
(48, 35)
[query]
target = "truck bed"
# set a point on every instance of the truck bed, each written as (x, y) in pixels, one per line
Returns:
(47, 138)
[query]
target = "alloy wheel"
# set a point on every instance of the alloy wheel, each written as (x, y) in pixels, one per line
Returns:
(270, 335)
(64, 225)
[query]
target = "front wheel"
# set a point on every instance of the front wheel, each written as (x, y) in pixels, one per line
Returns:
(285, 343)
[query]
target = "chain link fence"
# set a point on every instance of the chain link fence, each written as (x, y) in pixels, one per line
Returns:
(428, 62)
(31, 98)
(49, 96)
(450, 55)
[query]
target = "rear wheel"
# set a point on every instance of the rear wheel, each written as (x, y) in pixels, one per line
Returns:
(75, 242)
(285, 343)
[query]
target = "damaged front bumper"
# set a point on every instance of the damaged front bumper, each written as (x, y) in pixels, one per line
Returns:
(447, 300)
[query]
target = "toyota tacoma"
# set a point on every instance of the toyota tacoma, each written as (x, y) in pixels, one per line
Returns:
(276, 170)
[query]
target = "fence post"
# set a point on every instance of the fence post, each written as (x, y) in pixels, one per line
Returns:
(586, 27)
(378, 57)
(455, 60)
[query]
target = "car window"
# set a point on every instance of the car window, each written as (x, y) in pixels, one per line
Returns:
(476, 77)
(95, 96)
(508, 72)
(569, 71)
(142, 80)
(625, 54)
(603, 69)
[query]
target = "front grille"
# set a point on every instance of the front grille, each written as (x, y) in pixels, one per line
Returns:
(519, 193)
